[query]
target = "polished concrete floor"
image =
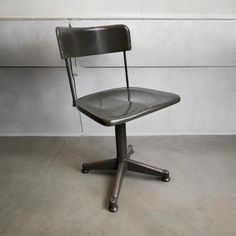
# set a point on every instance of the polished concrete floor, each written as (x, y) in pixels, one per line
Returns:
(43, 192)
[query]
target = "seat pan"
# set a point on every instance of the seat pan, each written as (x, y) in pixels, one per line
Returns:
(115, 106)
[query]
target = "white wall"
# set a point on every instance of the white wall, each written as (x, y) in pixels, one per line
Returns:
(193, 58)
(182, 46)
(121, 8)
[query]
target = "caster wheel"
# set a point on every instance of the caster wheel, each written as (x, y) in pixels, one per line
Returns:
(85, 171)
(113, 207)
(165, 179)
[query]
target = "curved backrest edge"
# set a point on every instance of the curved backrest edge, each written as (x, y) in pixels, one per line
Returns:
(86, 41)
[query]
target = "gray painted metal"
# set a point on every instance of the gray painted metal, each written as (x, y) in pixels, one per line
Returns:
(122, 164)
(115, 106)
(78, 42)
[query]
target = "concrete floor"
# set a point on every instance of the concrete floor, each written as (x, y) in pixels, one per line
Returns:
(42, 191)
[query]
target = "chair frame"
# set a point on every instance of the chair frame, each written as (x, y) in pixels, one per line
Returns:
(122, 163)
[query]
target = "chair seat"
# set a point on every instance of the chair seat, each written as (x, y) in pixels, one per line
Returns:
(115, 106)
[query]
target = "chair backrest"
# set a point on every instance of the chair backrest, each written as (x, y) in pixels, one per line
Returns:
(78, 42)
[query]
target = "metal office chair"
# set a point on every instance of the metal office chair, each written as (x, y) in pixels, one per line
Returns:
(112, 107)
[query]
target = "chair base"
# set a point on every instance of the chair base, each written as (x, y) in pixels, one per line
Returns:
(121, 164)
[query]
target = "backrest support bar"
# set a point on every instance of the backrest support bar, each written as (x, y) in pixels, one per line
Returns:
(71, 81)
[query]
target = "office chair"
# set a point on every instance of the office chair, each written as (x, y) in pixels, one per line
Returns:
(112, 107)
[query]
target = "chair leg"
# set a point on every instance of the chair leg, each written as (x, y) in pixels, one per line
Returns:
(140, 167)
(122, 167)
(122, 164)
(110, 164)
